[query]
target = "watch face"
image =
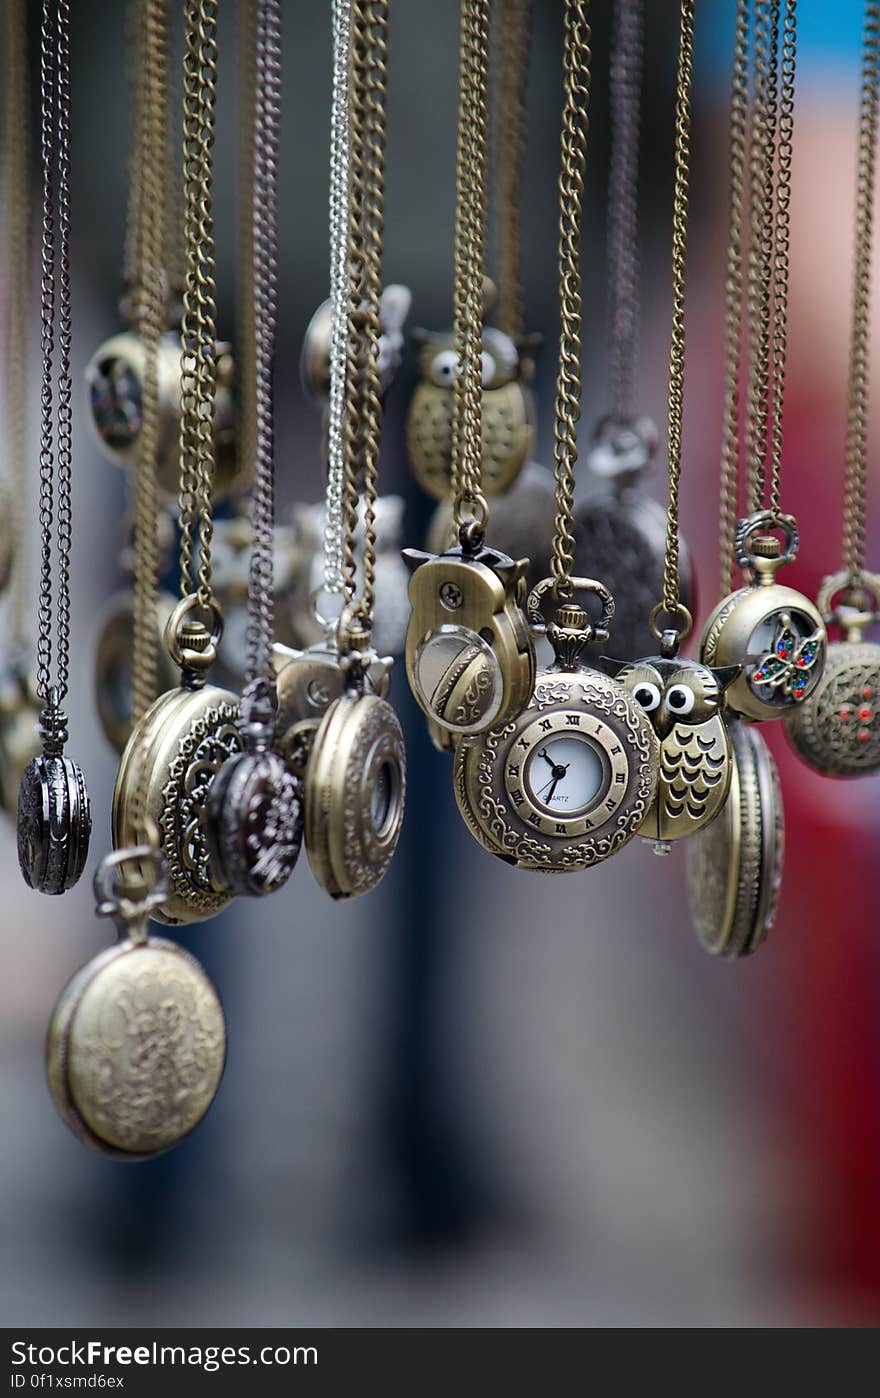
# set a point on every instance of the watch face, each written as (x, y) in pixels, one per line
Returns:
(116, 402)
(567, 773)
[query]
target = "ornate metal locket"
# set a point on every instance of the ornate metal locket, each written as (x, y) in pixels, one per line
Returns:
(837, 731)
(54, 814)
(137, 1042)
(775, 633)
(169, 762)
(470, 660)
(570, 779)
(734, 865)
(620, 533)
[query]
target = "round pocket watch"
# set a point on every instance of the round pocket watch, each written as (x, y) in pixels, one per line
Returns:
(837, 731)
(314, 364)
(734, 865)
(54, 814)
(137, 1042)
(773, 632)
(114, 378)
(507, 411)
(113, 664)
(355, 782)
(169, 762)
(684, 701)
(620, 534)
(570, 779)
(470, 660)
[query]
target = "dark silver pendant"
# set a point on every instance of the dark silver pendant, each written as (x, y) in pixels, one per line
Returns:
(54, 815)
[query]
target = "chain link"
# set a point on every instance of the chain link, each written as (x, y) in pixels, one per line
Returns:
(623, 185)
(17, 211)
(733, 297)
(245, 292)
(856, 477)
(760, 256)
(514, 40)
(198, 330)
(267, 127)
(340, 140)
(575, 126)
(782, 242)
(469, 506)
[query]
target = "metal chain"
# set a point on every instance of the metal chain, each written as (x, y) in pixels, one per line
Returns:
(198, 330)
(672, 605)
(856, 477)
(470, 509)
(762, 155)
(781, 242)
(55, 312)
(623, 185)
(733, 298)
(334, 521)
(246, 430)
(267, 127)
(575, 125)
(514, 40)
(363, 404)
(149, 297)
(17, 209)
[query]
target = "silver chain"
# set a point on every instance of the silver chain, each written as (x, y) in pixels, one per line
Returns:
(340, 148)
(623, 181)
(55, 313)
(267, 123)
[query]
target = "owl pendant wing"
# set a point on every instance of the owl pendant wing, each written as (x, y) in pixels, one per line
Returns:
(694, 780)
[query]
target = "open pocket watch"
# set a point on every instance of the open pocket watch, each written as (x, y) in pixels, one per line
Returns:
(569, 780)
(169, 762)
(137, 1041)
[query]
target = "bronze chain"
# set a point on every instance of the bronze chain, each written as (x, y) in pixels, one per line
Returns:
(198, 330)
(760, 255)
(514, 26)
(672, 604)
(856, 478)
(575, 126)
(470, 508)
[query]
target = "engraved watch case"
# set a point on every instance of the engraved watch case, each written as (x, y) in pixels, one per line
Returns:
(54, 815)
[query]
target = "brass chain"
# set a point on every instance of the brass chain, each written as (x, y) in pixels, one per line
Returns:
(856, 477)
(575, 126)
(733, 297)
(672, 604)
(16, 320)
(198, 331)
(514, 26)
(470, 509)
(624, 273)
(760, 256)
(366, 213)
(150, 297)
(781, 242)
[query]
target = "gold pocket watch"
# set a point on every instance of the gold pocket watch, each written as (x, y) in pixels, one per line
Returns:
(734, 865)
(776, 634)
(169, 762)
(571, 778)
(137, 1042)
(837, 732)
(470, 660)
(355, 782)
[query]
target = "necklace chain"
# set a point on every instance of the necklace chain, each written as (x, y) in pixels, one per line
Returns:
(198, 330)
(514, 39)
(575, 126)
(340, 139)
(856, 477)
(17, 206)
(55, 415)
(623, 184)
(733, 299)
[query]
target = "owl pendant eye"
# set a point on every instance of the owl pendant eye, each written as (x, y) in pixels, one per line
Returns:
(648, 695)
(680, 699)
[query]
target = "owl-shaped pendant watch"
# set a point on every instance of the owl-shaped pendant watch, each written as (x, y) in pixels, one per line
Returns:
(773, 632)
(507, 411)
(684, 701)
(734, 865)
(571, 778)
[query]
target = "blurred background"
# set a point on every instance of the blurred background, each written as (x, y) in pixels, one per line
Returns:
(478, 1096)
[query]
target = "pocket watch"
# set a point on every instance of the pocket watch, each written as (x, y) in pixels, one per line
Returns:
(684, 701)
(523, 520)
(837, 731)
(307, 683)
(775, 633)
(620, 533)
(569, 780)
(507, 411)
(114, 660)
(394, 304)
(355, 782)
(734, 865)
(115, 378)
(137, 1042)
(470, 660)
(54, 814)
(169, 762)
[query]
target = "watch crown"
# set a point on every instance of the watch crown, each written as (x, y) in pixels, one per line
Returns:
(766, 546)
(571, 616)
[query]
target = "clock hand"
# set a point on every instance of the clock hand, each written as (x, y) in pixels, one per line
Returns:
(543, 753)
